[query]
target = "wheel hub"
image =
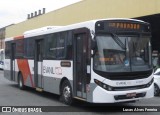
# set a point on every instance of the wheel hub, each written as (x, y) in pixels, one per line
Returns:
(20, 83)
(155, 90)
(66, 93)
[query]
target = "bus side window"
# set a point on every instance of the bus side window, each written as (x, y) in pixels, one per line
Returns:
(19, 53)
(69, 52)
(29, 51)
(69, 47)
(61, 45)
(7, 50)
(51, 46)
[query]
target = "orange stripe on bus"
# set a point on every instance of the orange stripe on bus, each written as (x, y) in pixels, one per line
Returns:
(24, 68)
(18, 37)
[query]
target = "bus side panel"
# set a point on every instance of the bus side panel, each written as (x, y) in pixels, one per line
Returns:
(16, 71)
(53, 72)
(1, 65)
(7, 71)
(2, 59)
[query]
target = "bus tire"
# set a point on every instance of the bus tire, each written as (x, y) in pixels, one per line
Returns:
(20, 82)
(66, 93)
(156, 90)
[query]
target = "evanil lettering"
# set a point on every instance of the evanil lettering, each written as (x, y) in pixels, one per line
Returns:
(52, 70)
(49, 70)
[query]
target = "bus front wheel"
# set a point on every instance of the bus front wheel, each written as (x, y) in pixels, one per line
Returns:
(20, 82)
(66, 93)
(156, 90)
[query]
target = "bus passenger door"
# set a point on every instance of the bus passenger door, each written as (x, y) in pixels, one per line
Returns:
(80, 64)
(38, 63)
(13, 48)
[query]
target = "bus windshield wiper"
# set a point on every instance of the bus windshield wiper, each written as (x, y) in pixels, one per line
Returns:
(118, 41)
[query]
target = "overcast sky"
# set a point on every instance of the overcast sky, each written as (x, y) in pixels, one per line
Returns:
(15, 11)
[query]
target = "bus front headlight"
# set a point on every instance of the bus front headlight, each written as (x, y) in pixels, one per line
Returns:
(104, 86)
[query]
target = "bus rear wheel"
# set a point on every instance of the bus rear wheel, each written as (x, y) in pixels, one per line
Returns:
(20, 82)
(66, 93)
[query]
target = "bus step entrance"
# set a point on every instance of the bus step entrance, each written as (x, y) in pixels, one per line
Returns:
(39, 89)
(80, 98)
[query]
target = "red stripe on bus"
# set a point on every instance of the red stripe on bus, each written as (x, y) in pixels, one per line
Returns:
(23, 66)
(18, 37)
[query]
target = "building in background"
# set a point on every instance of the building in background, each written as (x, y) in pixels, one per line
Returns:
(2, 37)
(147, 10)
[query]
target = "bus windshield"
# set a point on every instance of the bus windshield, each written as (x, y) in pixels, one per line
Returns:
(122, 53)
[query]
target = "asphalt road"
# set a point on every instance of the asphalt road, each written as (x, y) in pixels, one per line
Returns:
(11, 95)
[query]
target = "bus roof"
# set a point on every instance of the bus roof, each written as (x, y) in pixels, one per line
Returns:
(43, 29)
(9, 39)
(88, 24)
(51, 29)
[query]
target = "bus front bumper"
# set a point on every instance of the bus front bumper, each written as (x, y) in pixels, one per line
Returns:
(101, 95)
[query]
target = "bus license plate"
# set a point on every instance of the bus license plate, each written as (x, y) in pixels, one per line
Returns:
(131, 94)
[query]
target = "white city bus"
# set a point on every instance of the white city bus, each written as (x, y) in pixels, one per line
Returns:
(1, 59)
(98, 61)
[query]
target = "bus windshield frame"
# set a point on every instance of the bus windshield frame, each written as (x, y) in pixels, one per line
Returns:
(132, 51)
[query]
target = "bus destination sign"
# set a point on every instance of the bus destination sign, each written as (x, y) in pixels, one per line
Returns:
(122, 26)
